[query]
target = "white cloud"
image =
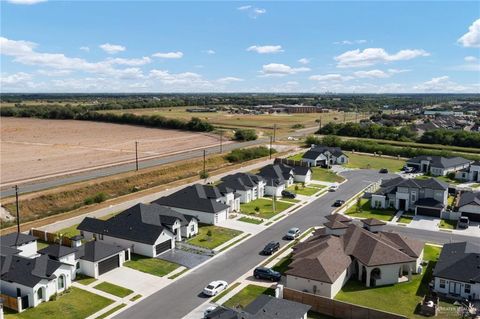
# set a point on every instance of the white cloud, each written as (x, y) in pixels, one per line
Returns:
(9, 79)
(130, 62)
(27, 2)
(112, 48)
(304, 61)
(376, 74)
(84, 48)
(371, 56)
(229, 79)
(440, 84)
(265, 49)
(253, 12)
(278, 69)
(471, 39)
(243, 8)
(209, 51)
(350, 42)
(331, 77)
(470, 59)
(471, 64)
(168, 55)
(53, 73)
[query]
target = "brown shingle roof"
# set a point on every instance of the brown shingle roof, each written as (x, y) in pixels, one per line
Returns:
(338, 218)
(373, 222)
(335, 225)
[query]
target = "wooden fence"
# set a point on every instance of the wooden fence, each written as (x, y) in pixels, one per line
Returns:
(14, 303)
(51, 238)
(290, 162)
(337, 308)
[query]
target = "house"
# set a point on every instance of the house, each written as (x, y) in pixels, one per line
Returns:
(438, 165)
(301, 174)
(457, 272)
(425, 197)
(263, 307)
(325, 262)
(277, 178)
(469, 174)
(34, 279)
(204, 202)
(246, 187)
(26, 244)
(96, 258)
(324, 156)
(469, 205)
(133, 229)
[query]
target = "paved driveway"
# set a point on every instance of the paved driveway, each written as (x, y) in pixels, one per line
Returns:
(135, 280)
(184, 258)
(424, 222)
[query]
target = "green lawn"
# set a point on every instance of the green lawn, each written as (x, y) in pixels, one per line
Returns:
(282, 265)
(374, 162)
(226, 291)
(136, 297)
(431, 253)
(290, 200)
(113, 289)
(450, 200)
(266, 207)
(303, 190)
(251, 220)
(42, 244)
(406, 219)
(325, 175)
(218, 236)
(114, 309)
(366, 211)
(84, 280)
(247, 295)
(74, 304)
(441, 178)
(70, 231)
(152, 266)
(448, 224)
(296, 157)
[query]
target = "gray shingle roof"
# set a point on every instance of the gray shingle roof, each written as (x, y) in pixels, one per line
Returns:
(274, 174)
(95, 251)
(469, 198)
(440, 161)
(27, 271)
(239, 182)
(316, 151)
(460, 262)
(57, 251)
(429, 202)
(16, 239)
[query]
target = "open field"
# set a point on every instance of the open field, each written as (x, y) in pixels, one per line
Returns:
(35, 147)
(374, 162)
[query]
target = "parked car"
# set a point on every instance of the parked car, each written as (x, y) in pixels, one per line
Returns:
(288, 194)
(339, 203)
(463, 222)
(383, 171)
(407, 169)
(271, 247)
(292, 233)
(215, 287)
(267, 273)
(208, 311)
(333, 188)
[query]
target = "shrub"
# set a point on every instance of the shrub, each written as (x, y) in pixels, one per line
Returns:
(257, 209)
(246, 154)
(245, 135)
(203, 175)
(209, 233)
(88, 201)
(297, 126)
(100, 197)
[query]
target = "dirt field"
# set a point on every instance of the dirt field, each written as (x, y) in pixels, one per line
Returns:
(33, 147)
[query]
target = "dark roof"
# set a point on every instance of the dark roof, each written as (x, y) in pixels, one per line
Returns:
(239, 182)
(469, 198)
(440, 161)
(195, 197)
(390, 185)
(429, 202)
(128, 224)
(57, 251)
(16, 239)
(95, 251)
(297, 170)
(274, 174)
(460, 262)
(27, 271)
(268, 307)
(315, 151)
(6, 251)
(373, 222)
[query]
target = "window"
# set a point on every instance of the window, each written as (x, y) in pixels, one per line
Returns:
(100, 236)
(78, 266)
(61, 282)
(442, 283)
(192, 228)
(40, 294)
(467, 288)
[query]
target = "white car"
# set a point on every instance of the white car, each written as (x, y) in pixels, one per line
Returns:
(334, 188)
(208, 311)
(215, 287)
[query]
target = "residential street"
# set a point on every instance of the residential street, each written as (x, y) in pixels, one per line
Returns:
(182, 296)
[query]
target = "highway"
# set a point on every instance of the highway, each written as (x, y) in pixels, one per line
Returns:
(182, 296)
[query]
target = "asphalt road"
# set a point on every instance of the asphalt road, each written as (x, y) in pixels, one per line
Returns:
(182, 296)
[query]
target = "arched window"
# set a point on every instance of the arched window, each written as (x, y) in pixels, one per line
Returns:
(61, 282)
(40, 293)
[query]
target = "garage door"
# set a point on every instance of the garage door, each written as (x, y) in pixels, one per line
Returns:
(425, 211)
(474, 217)
(108, 264)
(160, 248)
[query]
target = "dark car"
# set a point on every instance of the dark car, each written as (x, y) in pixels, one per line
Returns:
(463, 222)
(288, 194)
(383, 171)
(266, 273)
(271, 247)
(339, 203)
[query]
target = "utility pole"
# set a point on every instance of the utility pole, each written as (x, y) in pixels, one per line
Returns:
(136, 156)
(16, 204)
(204, 163)
(274, 132)
(344, 117)
(271, 138)
(221, 142)
(274, 198)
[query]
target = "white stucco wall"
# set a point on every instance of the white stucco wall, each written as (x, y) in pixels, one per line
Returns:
(322, 288)
(187, 231)
(474, 288)
(28, 249)
(90, 268)
(272, 190)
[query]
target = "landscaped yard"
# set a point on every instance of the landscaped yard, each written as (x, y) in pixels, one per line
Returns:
(74, 304)
(113, 289)
(114, 309)
(325, 175)
(431, 253)
(282, 265)
(441, 178)
(251, 220)
(210, 236)
(69, 231)
(401, 298)
(152, 266)
(296, 157)
(448, 224)
(374, 162)
(247, 295)
(366, 211)
(303, 190)
(406, 219)
(84, 280)
(42, 244)
(265, 207)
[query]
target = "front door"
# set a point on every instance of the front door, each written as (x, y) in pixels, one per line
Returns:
(454, 288)
(401, 204)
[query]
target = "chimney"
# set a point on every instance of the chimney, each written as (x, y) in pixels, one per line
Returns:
(76, 241)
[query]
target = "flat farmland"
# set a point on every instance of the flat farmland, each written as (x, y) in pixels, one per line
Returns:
(33, 147)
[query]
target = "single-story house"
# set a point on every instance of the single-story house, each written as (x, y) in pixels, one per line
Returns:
(96, 258)
(277, 179)
(263, 307)
(469, 205)
(438, 165)
(27, 244)
(324, 156)
(457, 272)
(245, 186)
(301, 174)
(204, 202)
(325, 262)
(425, 197)
(131, 229)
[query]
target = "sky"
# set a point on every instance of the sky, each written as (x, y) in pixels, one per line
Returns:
(317, 47)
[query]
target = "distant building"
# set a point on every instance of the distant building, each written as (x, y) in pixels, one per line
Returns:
(324, 156)
(438, 165)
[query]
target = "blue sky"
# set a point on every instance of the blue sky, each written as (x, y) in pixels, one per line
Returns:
(345, 47)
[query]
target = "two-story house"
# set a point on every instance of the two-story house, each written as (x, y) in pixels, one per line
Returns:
(324, 156)
(469, 174)
(424, 197)
(246, 187)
